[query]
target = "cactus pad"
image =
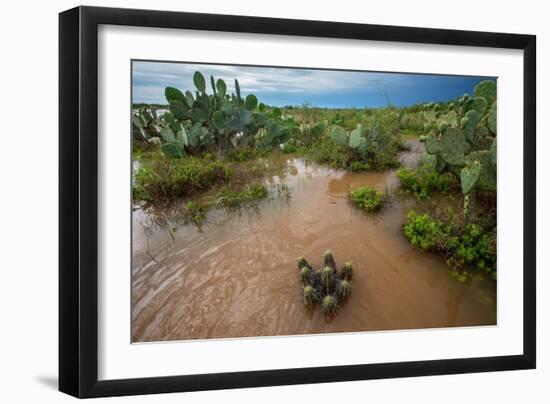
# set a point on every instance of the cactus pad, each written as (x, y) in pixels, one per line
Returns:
(355, 138)
(469, 176)
(488, 177)
(432, 146)
(479, 104)
(452, 145)
(199, 81)
(339, 136)
(488, 90)
(492, 118)
(171, 150)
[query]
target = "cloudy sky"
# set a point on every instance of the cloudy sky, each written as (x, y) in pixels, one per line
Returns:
(282, 86)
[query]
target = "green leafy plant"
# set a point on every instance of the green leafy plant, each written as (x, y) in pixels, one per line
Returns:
(367, 198)
(163, 179)
(425, 180)
(227, 198)
(461, 244)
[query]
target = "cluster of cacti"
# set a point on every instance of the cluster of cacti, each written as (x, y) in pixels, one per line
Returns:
(327, 286)
(145, 124)
(220, 120)
(462, 138)
(361, 141)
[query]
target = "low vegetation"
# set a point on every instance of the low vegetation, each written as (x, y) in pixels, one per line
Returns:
(461, 244)
(160, 179)
(424, 181)
(227, 198)
(367, 198)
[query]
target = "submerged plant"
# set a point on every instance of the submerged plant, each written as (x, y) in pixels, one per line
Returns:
(305, 276)
(347, 271)
(344, 289)
(310, 295)
(302, 262)
(327, 277)
(330, 304)
(326, 286)
(329, 260)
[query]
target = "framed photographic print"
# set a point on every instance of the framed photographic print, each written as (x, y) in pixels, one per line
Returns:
(251, 201)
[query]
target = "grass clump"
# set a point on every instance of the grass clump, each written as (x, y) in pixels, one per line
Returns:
(325, 151)
(461, 243)
(195, 212)
(424, 181)
(367, 198)
(289, 148)
(244, 154)
(161, 179)
(359, 166)
(233, 199)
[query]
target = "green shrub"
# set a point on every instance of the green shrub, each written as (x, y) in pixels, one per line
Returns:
(424, 181)
(468, 244)
(195, 212)
(161, 179)
(289, 148)
(233, 199)
(425, 232)
(325, 151)
(244, 154)
(359, 166)
(367, 198)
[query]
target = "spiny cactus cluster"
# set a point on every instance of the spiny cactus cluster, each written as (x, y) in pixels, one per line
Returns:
(361, 140)
(327, 286)
(220, 120)
(462, 139)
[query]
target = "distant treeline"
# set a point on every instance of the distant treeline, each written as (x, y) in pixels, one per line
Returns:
(411, 108)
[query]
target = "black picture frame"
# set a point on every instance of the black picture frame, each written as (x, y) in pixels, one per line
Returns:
(78, 201)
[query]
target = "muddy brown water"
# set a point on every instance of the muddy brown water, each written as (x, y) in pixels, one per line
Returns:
(237, 275)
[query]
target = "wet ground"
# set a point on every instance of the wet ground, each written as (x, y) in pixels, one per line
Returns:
(236, 276)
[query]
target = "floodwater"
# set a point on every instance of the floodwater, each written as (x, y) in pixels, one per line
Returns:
(237, 275)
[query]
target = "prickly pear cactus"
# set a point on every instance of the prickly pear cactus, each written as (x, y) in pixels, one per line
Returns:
(492, 118)
(469, 123)
(199, 81)
(488, 90)
(432, 145)
(469, 176)
(355, 139)
(494, 153)
(488, 177)
(452, 145)
(339, 136)
(172, 150)
(479, 105)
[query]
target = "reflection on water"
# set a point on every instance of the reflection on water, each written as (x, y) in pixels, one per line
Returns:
(240, 278)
